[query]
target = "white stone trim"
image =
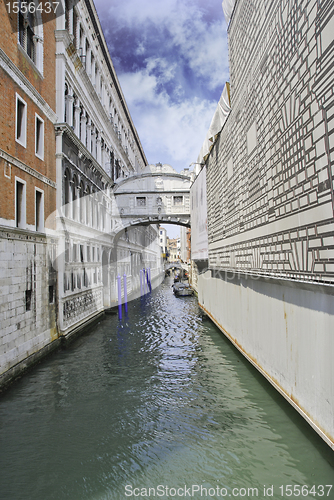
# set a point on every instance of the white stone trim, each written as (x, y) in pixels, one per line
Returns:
(22, 140)
(23, 224)
(41, 227)
(39, 154)
(15, 74)
(19, 164)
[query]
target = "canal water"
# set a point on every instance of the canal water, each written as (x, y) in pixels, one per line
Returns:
(159, 405)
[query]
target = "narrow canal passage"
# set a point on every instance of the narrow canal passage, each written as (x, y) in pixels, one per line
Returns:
(162, 401)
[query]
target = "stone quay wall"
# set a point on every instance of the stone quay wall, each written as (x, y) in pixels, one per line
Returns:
(27, 299)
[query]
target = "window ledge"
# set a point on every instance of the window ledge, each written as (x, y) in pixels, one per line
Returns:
(35, 68)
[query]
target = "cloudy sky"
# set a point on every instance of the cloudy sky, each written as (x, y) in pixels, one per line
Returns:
(171, 60)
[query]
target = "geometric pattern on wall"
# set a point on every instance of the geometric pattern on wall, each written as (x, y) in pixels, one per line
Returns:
(272, 213)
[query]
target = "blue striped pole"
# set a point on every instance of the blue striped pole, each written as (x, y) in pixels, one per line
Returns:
(119, 296)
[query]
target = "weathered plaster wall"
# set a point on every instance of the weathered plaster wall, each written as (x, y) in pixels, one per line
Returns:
(286, 330)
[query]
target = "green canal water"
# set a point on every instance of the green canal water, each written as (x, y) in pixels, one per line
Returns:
(159, 405)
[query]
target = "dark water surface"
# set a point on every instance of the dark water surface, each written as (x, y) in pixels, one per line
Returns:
(162, 401)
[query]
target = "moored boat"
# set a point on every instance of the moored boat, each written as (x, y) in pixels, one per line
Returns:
(182, 289)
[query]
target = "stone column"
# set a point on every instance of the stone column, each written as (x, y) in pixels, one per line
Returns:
(69, 106)
(83, 127)
(77, 117)
(82, 51)
(93, 65)
(97, 80)
(89, 128)
(83, 44)
(77, 35)
(70, 18)
(93, 134)
(89, 61)
(98, 148)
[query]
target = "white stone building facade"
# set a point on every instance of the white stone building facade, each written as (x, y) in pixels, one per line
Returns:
(97, 145)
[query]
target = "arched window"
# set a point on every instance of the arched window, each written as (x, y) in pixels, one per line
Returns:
(75, 197)
(112, 166)
(88, 206)
(67, 15)
(66, 197)
(82, 203)
(93, 209)
(103, 214)
(30, 32)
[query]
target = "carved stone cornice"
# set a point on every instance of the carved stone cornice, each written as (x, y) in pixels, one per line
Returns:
(29, 170)
(64, 127)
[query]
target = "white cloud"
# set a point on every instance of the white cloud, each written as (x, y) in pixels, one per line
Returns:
(186, 55)
(170, 132)
(202, 44)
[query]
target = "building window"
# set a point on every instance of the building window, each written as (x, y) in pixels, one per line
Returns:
(20, 203)
(39, 137)
(39, 210)
(51, 294)
(28, 299)
(21, 121)
(141, 201)
(178, 200)
(67, 252)
(75, 256)
(27, 30)
(81, 253)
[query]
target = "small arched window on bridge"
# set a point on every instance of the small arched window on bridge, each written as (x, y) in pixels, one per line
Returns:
(178, 200)
(141, 201)
(159, 183)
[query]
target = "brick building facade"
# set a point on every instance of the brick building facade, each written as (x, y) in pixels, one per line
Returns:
(28, 185)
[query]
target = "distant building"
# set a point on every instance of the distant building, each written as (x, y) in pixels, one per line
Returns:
(185, 244)
(163, 242)
(174, 248)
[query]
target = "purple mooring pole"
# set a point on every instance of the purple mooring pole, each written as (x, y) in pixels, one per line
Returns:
(144, 276)
(119, 285)
(149, 279)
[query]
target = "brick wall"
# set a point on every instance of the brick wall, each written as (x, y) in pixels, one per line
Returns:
(28, 292)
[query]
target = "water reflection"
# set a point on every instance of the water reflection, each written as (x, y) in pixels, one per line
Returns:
(159, 398)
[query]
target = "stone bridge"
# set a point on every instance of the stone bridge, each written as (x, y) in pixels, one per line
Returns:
(158, 195)
(178, 265)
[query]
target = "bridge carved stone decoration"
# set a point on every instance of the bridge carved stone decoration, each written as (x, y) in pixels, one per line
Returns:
(158, 195)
